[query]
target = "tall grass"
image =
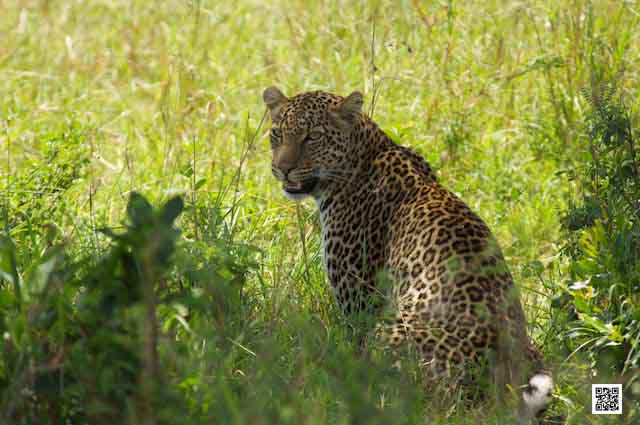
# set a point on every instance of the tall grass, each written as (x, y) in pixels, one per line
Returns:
(99, 100)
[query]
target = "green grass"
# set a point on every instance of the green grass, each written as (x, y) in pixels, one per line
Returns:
(102, 98)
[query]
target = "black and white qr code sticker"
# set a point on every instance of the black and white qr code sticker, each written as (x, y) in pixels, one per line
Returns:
(606, 399)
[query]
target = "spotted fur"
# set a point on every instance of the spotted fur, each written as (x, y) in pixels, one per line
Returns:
(382, 210)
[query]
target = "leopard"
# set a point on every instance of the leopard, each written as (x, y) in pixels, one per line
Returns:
(383, 212)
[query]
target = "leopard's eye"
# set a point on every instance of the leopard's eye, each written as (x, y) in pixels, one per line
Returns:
(315, 135)
(275, 136)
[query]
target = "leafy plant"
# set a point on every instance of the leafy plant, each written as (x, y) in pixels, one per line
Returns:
(86, 348)
(603, 241)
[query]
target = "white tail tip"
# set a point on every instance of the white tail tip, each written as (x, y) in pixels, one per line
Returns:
(538, 395)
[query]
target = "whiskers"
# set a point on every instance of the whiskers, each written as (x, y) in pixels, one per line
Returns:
(335, 175)
(277, 173)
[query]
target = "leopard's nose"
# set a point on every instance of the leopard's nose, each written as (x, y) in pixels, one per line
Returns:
(286, 157)
(285, 167)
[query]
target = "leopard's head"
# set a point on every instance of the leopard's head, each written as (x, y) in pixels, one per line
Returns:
(311, 139)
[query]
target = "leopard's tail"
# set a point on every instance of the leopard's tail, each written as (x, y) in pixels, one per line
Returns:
(536, 397)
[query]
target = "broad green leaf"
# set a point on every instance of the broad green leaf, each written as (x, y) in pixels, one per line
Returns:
(8, 266)
(139, 210)
(171, 210)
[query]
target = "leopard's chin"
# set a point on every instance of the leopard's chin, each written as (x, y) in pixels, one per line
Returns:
(300, 189)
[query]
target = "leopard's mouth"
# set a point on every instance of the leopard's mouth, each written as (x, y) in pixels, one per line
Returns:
(301, 187)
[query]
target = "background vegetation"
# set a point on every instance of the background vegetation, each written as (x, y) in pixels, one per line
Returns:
(110, 314)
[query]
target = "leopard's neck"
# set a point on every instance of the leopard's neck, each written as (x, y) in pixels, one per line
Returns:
(368, 141)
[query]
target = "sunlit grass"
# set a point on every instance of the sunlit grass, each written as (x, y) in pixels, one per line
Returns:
(167, 99)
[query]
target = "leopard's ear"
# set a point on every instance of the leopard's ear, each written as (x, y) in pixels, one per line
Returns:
(275, 100)
(345, 114)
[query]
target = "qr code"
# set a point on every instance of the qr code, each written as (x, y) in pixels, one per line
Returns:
(606, 399)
